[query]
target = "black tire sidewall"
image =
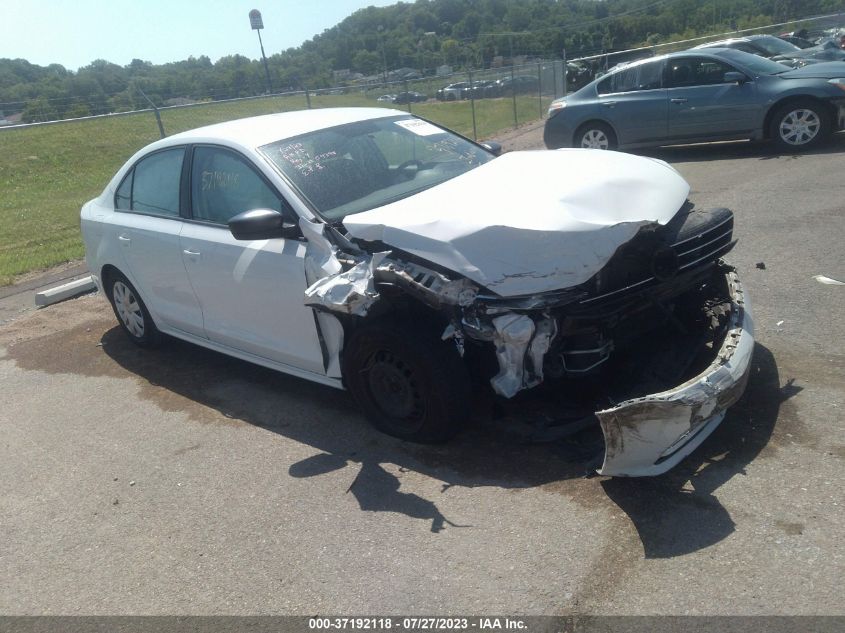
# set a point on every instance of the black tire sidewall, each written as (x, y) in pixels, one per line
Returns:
(438, 370)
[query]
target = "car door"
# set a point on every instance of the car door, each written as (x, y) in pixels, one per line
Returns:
(633, 100)
(702, 104)
(251, 292)
(147, 225)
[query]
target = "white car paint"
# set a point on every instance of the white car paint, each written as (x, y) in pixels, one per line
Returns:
(528, 234)
(551, 227)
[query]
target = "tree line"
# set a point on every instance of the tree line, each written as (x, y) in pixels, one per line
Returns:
(421, 35)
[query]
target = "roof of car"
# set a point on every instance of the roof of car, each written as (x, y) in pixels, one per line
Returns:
(260, 130)
(722, 43)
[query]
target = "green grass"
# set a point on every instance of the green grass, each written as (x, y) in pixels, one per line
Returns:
(48, 172)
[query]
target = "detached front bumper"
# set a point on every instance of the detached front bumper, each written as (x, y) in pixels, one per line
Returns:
(650, 435)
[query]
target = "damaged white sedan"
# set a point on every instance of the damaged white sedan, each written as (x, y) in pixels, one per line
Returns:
(372, 250)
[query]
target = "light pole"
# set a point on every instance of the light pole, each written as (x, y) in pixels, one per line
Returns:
(257, 24)
(383, 56)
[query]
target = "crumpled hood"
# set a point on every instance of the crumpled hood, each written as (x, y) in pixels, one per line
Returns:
(530, 222)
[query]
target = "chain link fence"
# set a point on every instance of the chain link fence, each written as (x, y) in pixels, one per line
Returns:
(49, 169)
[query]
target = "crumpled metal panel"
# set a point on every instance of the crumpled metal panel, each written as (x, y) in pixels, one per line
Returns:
(650, 435)
(530, 222)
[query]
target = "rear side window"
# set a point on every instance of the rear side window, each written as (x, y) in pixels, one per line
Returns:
(646, 76)
(223, 184)
(152, 186)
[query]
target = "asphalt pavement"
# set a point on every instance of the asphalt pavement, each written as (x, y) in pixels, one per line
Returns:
(179, 481)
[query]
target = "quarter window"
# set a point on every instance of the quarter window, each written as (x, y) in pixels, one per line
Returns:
(153, 184)
(223, 184)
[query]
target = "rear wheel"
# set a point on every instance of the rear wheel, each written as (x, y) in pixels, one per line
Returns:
(595, 136)
(131, 312)
(799, 125)
(409, 383)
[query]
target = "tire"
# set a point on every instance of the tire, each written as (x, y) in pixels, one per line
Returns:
(799, 125)
(409, 383)
(131, 313)
(595, 135)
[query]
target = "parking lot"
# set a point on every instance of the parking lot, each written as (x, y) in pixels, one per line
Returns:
(179, 481)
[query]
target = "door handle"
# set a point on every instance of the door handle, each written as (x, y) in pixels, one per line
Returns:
(124, 240)
(191, 253)
(678, 100)
(608, 104)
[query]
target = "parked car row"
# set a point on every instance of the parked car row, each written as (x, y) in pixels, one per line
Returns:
(779, 50)
(703, 94)
(489, 88)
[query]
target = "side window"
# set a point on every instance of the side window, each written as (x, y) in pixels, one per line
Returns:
(223, 184)
(650, 75)
(697, 71)
(640, 77)
(155, 183)
(152, 185)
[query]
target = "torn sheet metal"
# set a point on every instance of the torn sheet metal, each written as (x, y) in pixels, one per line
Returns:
(512, 338)
(648, 436)
(349, 292)
(320, 254)
(556, 227)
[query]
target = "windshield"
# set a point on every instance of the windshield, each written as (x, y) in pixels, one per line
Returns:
(359, 166)
(775, 45)
(756, 64)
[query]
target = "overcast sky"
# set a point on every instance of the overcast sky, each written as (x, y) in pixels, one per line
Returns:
(73, 33)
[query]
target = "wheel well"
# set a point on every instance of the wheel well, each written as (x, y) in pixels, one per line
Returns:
(593, 122)
(767, 123)
(106, 275)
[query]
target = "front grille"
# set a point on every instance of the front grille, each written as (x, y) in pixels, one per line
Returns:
(696, 237)
(709, 245)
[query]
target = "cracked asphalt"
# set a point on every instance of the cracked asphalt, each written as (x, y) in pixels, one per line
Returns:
(179, 481)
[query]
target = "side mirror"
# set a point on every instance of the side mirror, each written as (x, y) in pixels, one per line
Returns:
(493, 146)
(735, 78)
(262, 224)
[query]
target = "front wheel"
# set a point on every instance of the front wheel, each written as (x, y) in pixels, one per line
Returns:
(799, 125)
(595, 136)
(409, 383)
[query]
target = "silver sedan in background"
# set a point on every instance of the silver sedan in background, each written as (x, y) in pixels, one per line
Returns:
(702, 95)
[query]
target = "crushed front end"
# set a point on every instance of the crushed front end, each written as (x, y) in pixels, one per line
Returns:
(657, 343)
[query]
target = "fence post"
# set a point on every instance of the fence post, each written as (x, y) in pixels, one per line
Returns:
(307, 96)
(472, 106)
(513, 94)
(540, 88)
(155, 111)
(565, 72)
(407, 96)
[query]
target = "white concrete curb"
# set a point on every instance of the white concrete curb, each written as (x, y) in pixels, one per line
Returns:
(65, 291)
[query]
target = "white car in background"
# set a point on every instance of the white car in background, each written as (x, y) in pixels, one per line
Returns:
(373, 250)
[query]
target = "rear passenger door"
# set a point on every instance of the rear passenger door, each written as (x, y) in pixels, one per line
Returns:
(633, 100)
(147, 224)
(702, 104)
